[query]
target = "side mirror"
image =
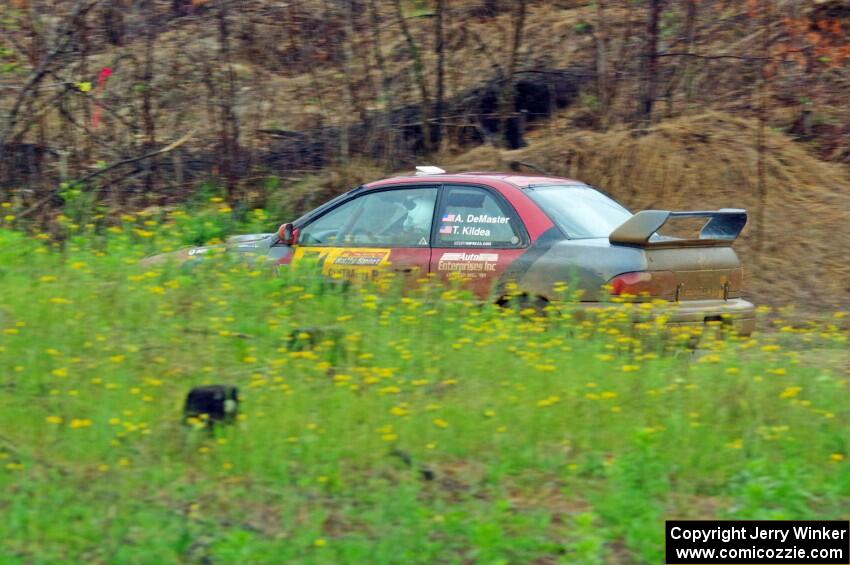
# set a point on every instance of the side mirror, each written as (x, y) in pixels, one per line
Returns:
(287, 234)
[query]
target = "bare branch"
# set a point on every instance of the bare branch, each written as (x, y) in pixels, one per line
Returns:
(698, 56)
(170, 147)
(64, 42)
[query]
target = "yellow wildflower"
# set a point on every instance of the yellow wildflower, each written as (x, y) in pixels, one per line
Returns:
(736, 444)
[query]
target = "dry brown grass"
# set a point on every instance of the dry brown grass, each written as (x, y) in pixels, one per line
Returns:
(710, 161)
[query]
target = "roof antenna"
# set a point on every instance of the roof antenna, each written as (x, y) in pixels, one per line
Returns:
(425, 170)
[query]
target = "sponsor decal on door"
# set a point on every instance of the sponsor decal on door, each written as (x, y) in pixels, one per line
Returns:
(470, 264)
(360, 264)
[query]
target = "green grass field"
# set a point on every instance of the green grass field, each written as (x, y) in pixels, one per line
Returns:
(424, 427)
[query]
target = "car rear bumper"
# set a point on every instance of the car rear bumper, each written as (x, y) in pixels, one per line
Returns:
(735, 313)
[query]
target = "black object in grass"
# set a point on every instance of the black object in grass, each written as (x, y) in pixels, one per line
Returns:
(212, 404)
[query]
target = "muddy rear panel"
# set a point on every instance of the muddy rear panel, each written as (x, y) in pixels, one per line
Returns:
(691, 273)
(699, 273)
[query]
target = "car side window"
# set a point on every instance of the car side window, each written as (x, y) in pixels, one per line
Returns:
(387, 218)
(328, 228)
(473, 217)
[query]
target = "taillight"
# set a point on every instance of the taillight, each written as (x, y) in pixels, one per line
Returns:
(653, 284)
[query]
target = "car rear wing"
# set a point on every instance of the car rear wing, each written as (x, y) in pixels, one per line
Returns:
(722, 228)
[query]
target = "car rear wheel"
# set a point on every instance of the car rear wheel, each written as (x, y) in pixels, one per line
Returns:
(523, 302)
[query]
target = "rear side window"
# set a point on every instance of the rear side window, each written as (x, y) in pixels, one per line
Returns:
(580, 211)
(473, 217)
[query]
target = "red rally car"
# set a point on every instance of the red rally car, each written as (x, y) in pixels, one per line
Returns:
(536, 232)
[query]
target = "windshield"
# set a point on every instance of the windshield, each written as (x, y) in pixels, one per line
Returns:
(580, 211)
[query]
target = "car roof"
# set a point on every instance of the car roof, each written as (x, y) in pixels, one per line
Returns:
(483, 177)
(497, 180)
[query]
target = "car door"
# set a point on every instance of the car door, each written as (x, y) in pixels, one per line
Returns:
(381, 230)
(476, 237)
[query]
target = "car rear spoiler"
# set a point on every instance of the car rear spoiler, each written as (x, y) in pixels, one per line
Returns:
(722, 228)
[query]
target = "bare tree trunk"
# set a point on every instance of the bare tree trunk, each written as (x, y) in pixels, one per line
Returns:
(602, 62)
(211, 103)
(83, 35)
(491, 7)
(113, 22)
(229, 123)
(761, 167)
(418, 75)
(348, 71)
(37, 47)
(507, 96)
(682, 64)
(386, 86)
(650, 74)
(618, 65)
(439, 106)
(179, 8)
(148, 120)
